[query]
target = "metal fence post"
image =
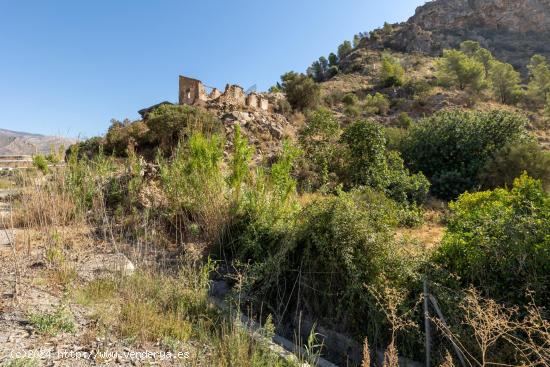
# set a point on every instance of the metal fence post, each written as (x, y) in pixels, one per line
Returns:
(427, 322)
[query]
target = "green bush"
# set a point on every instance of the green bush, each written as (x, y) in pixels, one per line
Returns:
(404, 121)
(344, 49)
(377, 103)
(504, 82)
(339, 245)
(41, 163)
(56, 155)
(499, 241)
(511, 161)
(240, 163)
(301, 91)
(418, 88)
(318, 140)
(350, 99)
(283, 107)
(451, 147)
(367, 160)
(168, 124)
(370, 164)
(86, 179)
(88, 148)
(124, 135)
(392, 73)
(267, 212)
(457, 68)
(474, 50)
(394, 138)
(539, 80)
(52, 323)
(352, 111)
(402, 186)
(333, 98)
(194, 185)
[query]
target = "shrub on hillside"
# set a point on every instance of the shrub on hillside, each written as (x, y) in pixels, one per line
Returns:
(504, 81)
(124, 135)
(339, 245)
(511, 161)
(499, 241)
(402, 186)
(333, 98)
(394, 138)
(539, 80)
(283, 107)
(377, 104)
(88, 148)
(403, 121)
(344, 49)
(366, 153)
(350, 99)
(194, 185)
(392, 74)
(458, 69)
(168, 124)
(474, 50)
(352, 111)
(319, 139)
(451, 147)
(368, 163)
(301, 91)
(266, 213)
(418, 89)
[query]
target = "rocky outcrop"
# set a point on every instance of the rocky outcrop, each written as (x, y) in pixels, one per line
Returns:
(513, 30)
(263, 129)
(520, 16)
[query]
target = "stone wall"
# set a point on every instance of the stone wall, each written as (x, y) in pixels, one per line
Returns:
(233, 95)
(263, 103)
(252, 100)
(215, 93)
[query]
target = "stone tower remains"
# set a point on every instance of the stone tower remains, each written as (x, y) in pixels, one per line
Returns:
(191, 91)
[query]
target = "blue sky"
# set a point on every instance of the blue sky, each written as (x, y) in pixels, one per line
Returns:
(68, 66)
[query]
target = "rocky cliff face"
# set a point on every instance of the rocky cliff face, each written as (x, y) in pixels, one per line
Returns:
(519, 16)
(513, 30)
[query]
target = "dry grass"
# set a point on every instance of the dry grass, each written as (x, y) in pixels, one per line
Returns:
(6, 183)
(366, 354)
(424, 238)
(45, 203)
(493, 332)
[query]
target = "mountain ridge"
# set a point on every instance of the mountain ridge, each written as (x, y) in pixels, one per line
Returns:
(24, 143)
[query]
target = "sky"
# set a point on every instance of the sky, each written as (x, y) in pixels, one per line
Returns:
(67, 67)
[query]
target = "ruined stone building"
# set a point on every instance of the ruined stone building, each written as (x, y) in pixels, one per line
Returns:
(193, 92)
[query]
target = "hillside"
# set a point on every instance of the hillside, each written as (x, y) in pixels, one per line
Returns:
(19, 143)
(389, 207)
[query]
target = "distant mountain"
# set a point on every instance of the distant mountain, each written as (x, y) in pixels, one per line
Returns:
(513, 30)
(20, 143)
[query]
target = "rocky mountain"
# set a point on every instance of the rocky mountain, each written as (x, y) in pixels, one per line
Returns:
(513, 30)
(19, 143)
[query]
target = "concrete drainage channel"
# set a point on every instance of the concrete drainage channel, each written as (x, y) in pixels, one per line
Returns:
(278, 344)
(338, 346)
